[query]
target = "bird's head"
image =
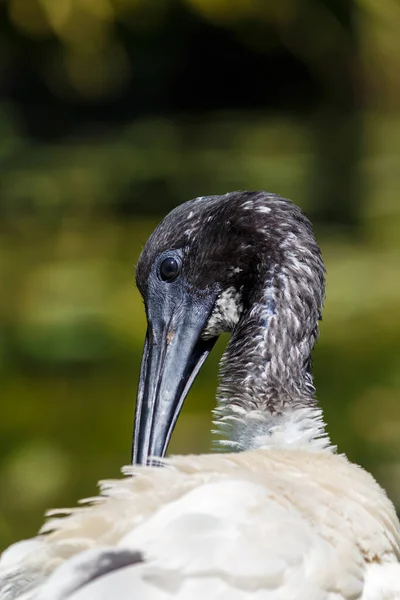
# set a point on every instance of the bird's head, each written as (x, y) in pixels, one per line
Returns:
(198, 274)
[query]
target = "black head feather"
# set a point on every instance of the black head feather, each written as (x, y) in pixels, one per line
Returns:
(224, 238)
(256, 255)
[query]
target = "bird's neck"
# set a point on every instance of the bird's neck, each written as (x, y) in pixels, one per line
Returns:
(266, 395)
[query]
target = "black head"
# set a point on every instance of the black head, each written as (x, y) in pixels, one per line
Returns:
(218, 241)
(198, 274)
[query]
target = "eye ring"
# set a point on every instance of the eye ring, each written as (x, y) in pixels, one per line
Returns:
(169, 269)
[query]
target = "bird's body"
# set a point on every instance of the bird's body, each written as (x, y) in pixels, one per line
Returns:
(285, 518)
(263, 524)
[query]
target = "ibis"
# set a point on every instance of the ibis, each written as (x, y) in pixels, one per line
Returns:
(280, 515)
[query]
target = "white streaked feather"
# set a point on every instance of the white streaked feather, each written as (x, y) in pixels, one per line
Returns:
(303, 428)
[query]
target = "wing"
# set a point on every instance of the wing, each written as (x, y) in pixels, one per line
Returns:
(223, 540)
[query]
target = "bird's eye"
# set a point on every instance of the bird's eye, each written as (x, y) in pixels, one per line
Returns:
(169, 269)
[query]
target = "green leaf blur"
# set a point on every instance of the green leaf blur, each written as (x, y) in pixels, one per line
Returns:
(77, 205)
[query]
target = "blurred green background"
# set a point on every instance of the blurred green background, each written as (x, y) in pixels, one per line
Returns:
(114, 111)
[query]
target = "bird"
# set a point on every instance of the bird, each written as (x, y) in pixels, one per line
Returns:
(279, 514)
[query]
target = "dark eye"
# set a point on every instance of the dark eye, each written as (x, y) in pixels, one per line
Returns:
(169, 269)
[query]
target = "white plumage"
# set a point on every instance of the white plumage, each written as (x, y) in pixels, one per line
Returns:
(285, 519)
(265, 524)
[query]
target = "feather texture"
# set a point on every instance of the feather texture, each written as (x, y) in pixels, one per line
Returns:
(265, 524)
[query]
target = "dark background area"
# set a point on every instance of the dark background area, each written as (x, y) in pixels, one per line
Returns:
(114, 111)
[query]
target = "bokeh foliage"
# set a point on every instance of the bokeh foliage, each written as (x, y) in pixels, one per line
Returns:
(112, 112)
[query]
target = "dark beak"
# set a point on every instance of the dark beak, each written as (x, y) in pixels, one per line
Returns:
(172, 357)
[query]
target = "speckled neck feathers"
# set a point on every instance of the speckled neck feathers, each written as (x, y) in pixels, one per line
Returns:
(266, 395)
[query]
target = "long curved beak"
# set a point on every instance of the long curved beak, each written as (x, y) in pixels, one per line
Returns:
(172, 357)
